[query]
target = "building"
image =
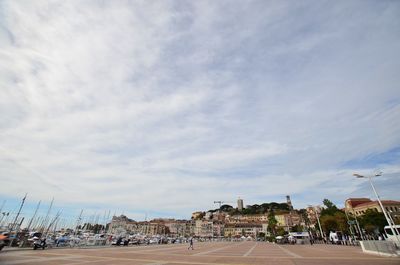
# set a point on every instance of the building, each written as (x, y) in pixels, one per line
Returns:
(197, 215)
(244, 229)
(178, 228)
(219, 216)
(351, 203)
(218, 228)
(246, 218)
(203, 228)
(313, 213)
(120, 225)
(289, 202)
(240, 204)
(288, 220)
(123, 225)
(359, 206)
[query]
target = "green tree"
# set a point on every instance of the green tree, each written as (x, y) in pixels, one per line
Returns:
(330, 208)
(280, 231)
(373, 221)
(304, 216)
(335, 222)
(329, 223)
(297, 228)
(272, 223)
(226, 208)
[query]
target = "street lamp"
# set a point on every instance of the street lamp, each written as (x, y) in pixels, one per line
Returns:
(319, 223)
(388, 220)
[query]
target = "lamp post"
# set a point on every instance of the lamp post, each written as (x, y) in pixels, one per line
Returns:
(319, 223)
(388, 220)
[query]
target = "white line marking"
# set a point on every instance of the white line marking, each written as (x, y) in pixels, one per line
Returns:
(289, 252)
(250, 250)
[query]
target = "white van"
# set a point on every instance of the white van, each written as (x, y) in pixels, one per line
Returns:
(335, 237)
(300, 237)
(389, 234)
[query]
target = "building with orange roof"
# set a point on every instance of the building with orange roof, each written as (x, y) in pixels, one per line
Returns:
(359, 206)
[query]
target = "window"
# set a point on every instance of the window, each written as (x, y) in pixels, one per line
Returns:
(388, 231)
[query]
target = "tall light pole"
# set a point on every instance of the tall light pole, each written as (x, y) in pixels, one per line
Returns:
(388, 220)
(319, 223)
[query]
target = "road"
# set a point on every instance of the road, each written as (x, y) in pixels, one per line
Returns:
(210, 253)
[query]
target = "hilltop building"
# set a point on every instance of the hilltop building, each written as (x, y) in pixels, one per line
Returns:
(123, 225)
(359, 206)
(197, 215)
(240, 204)
(214, 223)
(289, 202)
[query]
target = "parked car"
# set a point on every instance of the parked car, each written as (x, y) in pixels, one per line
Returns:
(3, 241)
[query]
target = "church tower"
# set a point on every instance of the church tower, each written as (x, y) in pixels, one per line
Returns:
(289, 202)
(240, 204)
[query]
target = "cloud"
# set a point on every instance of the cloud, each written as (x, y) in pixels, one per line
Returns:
(164, 108)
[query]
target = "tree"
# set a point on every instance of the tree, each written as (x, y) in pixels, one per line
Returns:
(272, 222)
(373, 221)
(297, 228)
(304, 216)
(335, 222)
(329, 223)
(226, 208)
(330, 208)
(280, 231)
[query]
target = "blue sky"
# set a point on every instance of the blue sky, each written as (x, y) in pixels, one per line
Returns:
(159, 108)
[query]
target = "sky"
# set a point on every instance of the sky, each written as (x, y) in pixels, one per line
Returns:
(160, 108)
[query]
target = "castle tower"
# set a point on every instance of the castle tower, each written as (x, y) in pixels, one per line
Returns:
(289, 202)
(240, 204)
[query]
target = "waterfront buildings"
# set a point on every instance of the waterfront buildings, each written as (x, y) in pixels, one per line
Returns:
(251, 229)
(123, 225)
(213, 223)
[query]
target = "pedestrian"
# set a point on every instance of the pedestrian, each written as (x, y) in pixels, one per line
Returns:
(191, 243)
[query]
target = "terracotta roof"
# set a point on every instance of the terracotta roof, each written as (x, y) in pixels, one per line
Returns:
(357, 201)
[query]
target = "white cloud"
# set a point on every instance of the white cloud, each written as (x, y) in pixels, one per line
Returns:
(154, 106)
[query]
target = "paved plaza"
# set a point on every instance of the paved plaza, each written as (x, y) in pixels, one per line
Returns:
(209, 253)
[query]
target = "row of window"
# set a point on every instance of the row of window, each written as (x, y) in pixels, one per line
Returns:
(388, 208)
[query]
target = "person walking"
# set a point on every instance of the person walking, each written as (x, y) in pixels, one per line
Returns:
(191, 243)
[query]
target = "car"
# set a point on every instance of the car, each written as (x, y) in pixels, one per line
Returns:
(3, 241)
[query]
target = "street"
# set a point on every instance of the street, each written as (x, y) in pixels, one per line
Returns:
(205, 253)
